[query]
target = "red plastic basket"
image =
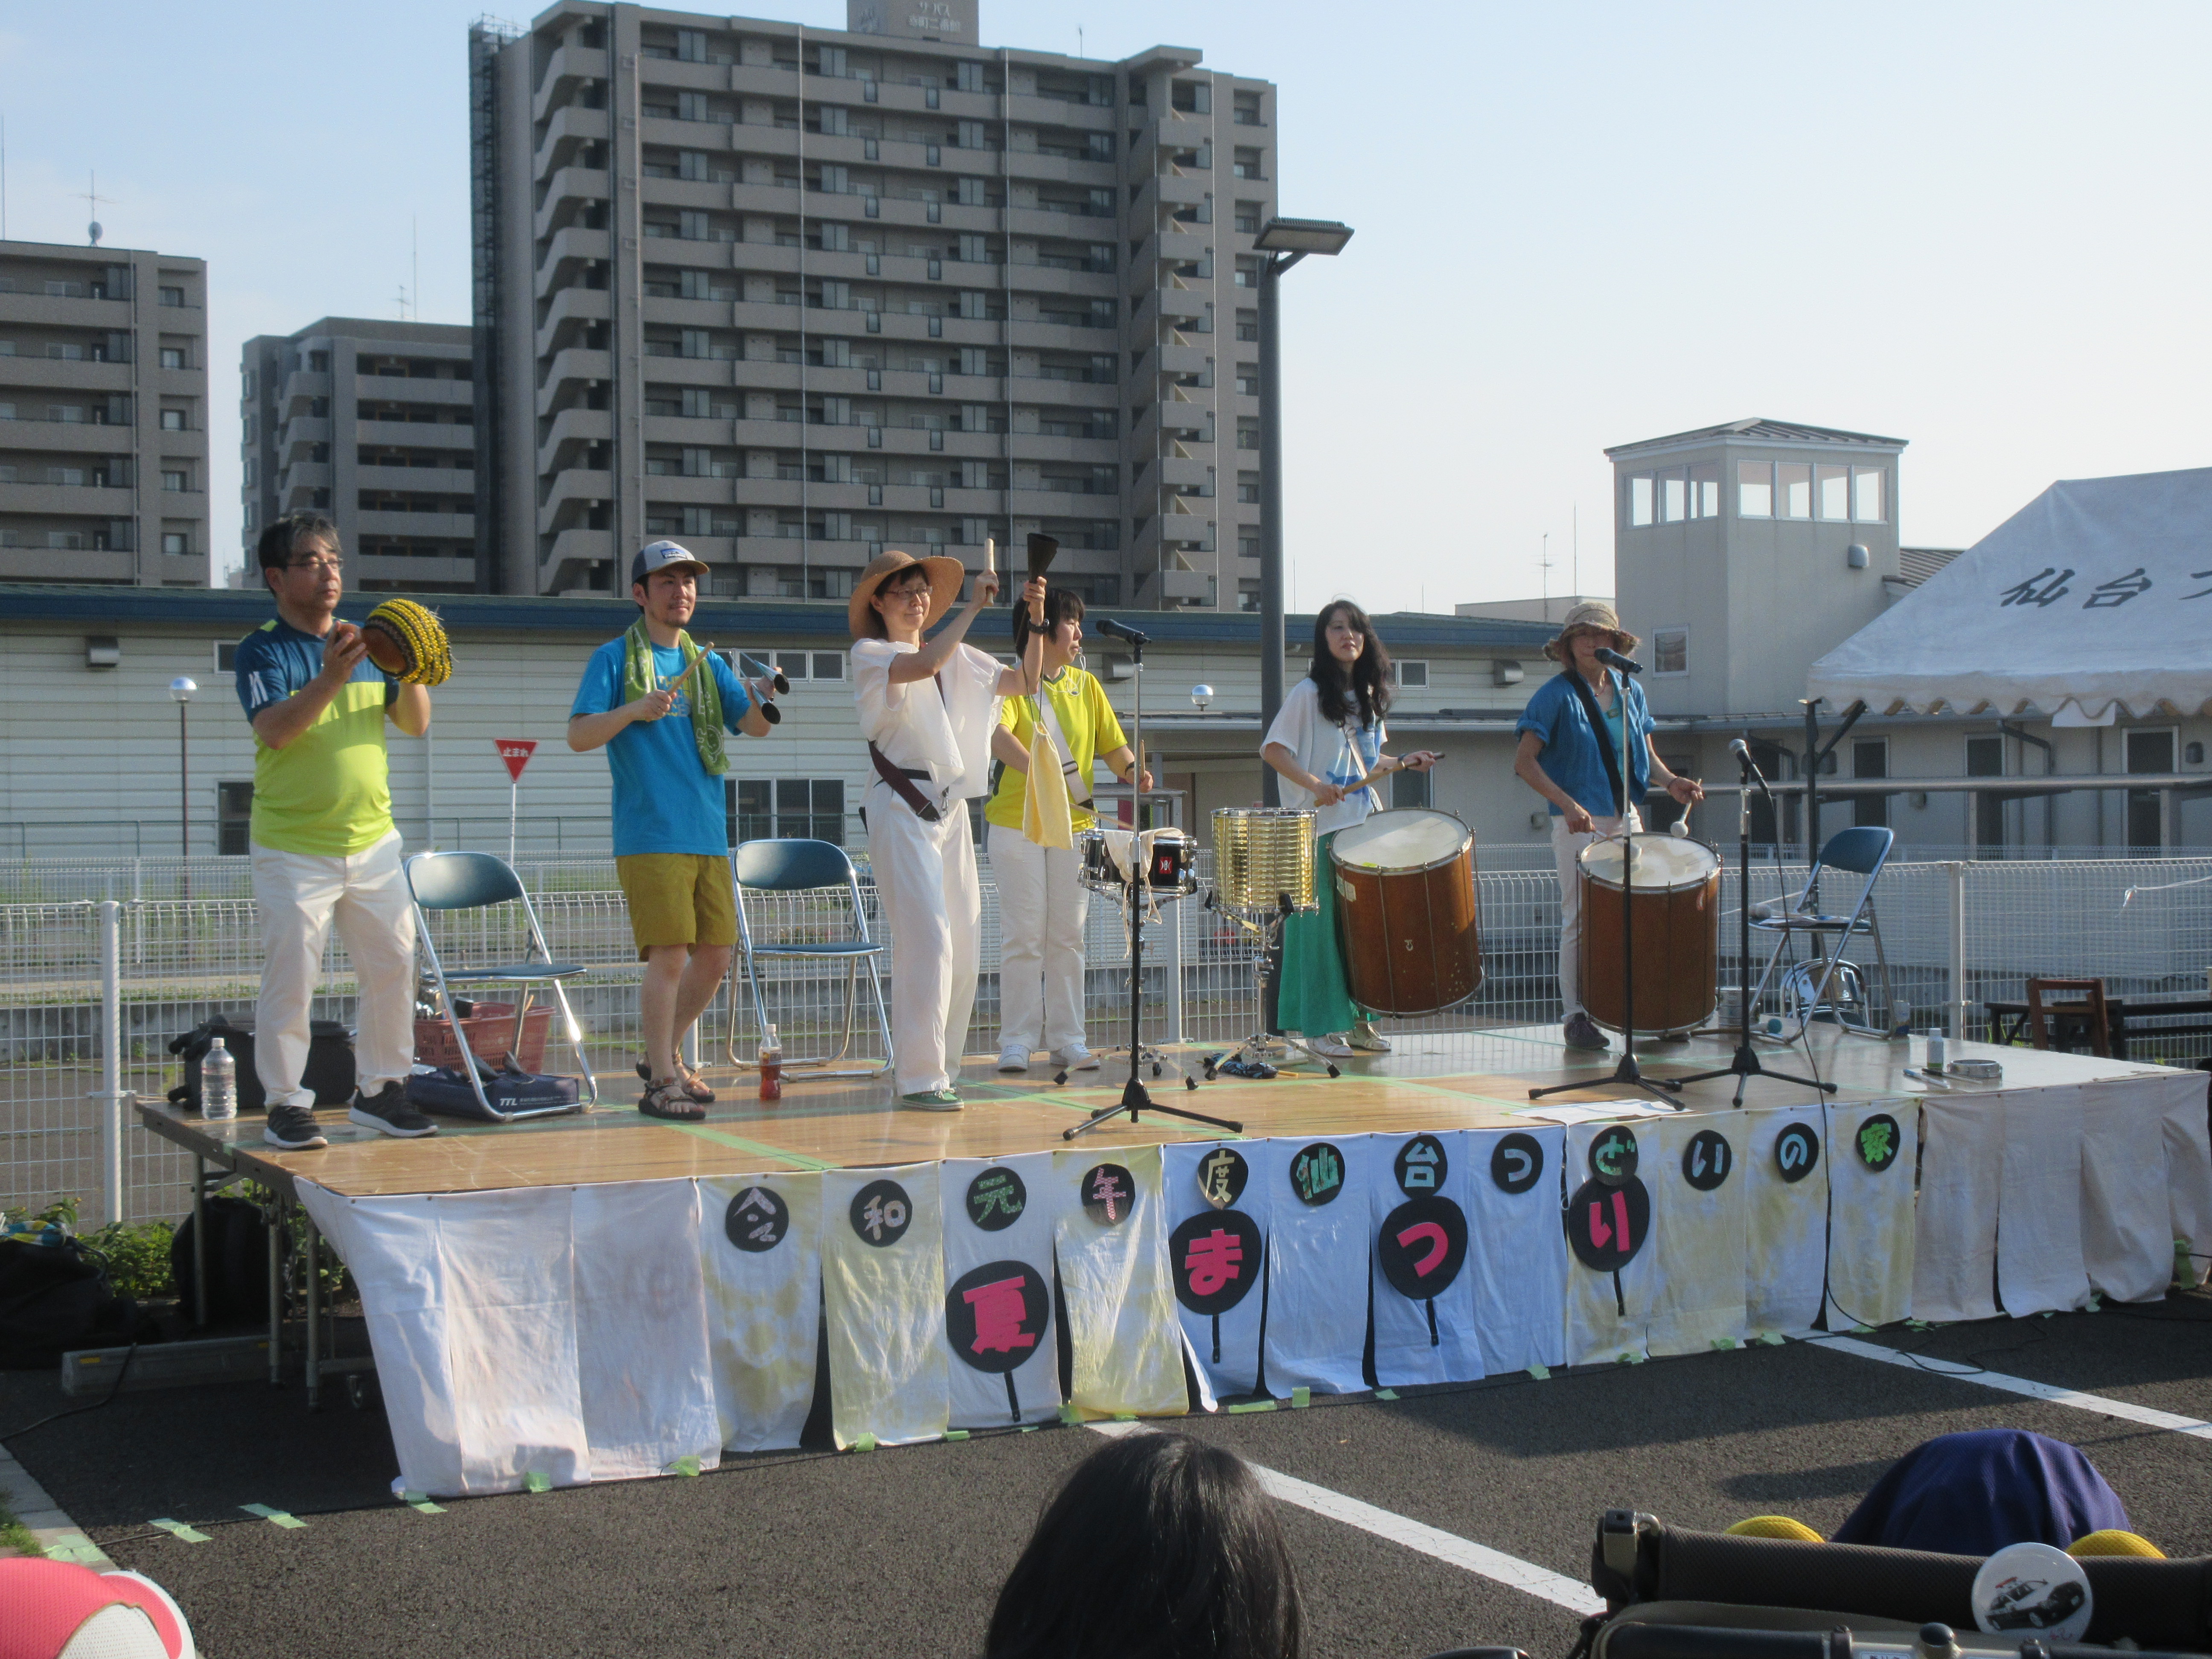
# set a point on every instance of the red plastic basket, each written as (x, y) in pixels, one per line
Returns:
(490, 1029)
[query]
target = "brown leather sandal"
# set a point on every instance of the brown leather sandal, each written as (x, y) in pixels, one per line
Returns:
(667, 1100)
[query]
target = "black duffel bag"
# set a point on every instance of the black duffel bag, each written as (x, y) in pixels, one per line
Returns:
(54, 1297)
(237, 1262)
(329, 1071)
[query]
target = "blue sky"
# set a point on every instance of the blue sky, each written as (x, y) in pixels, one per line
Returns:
(1977, 226)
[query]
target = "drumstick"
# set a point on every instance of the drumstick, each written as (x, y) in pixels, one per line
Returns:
(677, 685)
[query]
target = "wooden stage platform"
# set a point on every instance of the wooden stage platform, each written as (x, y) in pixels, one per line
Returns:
(1456, 1080)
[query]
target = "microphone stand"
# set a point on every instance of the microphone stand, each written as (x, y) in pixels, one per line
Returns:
(1628, 1074)
(1745, 1066)
(1134, 1098)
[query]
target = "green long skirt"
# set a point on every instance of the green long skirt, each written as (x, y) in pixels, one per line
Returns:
(1312, 998)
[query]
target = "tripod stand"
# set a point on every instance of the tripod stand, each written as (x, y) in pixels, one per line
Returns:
(1628, 1074)
(1137, 877)
(1745, 1066)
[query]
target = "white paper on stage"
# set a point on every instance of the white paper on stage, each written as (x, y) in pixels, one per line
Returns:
(2189, 1176)
(1121, 1320)
(1316, 1261)
(1956, 1225)
(2040, 1267)
(1516, 1253)
(470, 1310)
(1419, 1218)
(1607, 1313)
(647, 1386)
(882, 1281)
(1217, 1261)
(1786, 1252)
(2127, 1244)
(1698, 1232)
(1870, 1218)
(760, 1242)
(998, 1285)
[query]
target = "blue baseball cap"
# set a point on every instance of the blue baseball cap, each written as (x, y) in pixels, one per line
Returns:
(661, 556)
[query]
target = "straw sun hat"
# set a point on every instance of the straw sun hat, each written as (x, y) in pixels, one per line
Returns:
(1589, 614)
(946, 575)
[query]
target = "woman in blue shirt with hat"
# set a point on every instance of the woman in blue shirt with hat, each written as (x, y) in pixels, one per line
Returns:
(1572, 734)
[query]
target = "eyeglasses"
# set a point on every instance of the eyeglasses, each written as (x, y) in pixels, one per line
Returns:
(330, 562)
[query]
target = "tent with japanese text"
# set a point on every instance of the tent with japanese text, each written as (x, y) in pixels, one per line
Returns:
(2051, 611)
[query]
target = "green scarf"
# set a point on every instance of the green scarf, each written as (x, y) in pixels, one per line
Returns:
(639, 677)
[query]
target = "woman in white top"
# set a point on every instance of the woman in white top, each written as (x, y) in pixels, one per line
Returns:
(927, 711)
(1326, 743)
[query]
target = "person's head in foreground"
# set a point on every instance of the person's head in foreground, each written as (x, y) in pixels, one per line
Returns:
(1157, 1547)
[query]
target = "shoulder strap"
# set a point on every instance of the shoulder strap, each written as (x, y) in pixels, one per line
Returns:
(1604, 737)
(901, 784)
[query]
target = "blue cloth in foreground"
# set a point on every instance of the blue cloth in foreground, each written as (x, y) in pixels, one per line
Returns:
(1972, 1494)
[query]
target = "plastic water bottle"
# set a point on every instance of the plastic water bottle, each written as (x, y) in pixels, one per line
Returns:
(218, 1082)
(771, 1066)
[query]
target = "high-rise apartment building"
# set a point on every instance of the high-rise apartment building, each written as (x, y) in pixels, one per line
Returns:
(373, 423)
(103, 415)
(794, 295)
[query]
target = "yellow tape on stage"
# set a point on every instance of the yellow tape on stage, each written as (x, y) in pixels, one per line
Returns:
(882, 1281)
(1874, 1147)
(1694, 1167)
(761, 1237)
(1112, 1245)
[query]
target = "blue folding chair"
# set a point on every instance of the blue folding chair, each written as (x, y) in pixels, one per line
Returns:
(811, 873)
(445, 882)
(1826, 979)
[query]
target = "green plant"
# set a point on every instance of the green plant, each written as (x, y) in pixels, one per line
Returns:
(15, 1535)
(136, 1254)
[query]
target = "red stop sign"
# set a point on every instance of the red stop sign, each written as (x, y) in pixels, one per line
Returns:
(516, 753)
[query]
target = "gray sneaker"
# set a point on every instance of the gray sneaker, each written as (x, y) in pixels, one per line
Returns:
(1582, 1032)
(293, 1128)
(387, 1112)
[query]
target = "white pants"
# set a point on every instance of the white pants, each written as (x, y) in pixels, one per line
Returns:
(1042, 907)
(926, 874)
(1566, 849)
(299, 894)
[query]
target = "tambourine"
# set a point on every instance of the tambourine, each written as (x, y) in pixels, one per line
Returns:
(407, 642)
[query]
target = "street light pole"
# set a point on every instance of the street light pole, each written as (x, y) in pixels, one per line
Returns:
(1282, 243)
(181, 689)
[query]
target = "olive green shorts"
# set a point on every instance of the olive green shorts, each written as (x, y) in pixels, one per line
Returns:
(679, 898)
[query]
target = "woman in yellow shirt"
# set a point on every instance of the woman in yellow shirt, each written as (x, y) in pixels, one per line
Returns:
(1041, 901)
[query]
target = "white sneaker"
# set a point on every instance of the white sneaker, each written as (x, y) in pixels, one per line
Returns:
(1332, 1047)
(1076, 1057)
(1013, 1060)
(1364, 1037)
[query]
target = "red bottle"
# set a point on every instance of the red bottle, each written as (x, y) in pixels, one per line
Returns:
(771, 1066)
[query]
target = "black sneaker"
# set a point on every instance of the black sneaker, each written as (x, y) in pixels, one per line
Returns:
(387, 1112)
(1582, 1032)
(293, 1128)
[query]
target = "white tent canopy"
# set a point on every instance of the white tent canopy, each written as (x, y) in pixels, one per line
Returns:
(2094, 597)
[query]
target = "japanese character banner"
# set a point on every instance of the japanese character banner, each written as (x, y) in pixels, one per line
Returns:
(1111, 1234)
(761, 1238)
(1693, 1165)
(2039, 1265)
(1874, 1147)
(1002, 1347)
(1423, 1296)
(1216, 1250)
(1614, 1280)
(882, 1281)
(1517, 1254)
(1317, 1247)
(1785, 1168)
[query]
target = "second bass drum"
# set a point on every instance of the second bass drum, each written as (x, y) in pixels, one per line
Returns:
(1676, 910)
(1405, 911)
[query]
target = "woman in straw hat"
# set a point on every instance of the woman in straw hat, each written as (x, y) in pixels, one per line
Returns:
(1572, 735)
(927, 711)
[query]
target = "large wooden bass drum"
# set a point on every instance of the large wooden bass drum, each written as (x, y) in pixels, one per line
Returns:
(1405, 911)
(1676, 910)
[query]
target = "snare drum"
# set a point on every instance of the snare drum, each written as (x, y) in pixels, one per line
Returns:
(1261, 854)
(1168, 854)
(1405, 911)
(1676, 915)
(1094, 861)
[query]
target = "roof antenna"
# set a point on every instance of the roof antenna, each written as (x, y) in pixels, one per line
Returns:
(92, 198)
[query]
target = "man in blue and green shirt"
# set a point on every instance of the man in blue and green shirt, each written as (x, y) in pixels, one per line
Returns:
(323, 847)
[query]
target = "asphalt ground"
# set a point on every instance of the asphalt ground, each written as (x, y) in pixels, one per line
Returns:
(901, 1550)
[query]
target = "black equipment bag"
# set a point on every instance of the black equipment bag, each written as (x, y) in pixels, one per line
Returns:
(329, 1071)
(513, 1092)
(55, 1297)
(237, 1262)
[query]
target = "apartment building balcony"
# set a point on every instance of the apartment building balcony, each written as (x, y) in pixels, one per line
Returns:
(66, 437)
(563, 190)
(59, 310)
(578, 545)
(1028, 109)
(578, 487)
(382, 522)
(573, 367)
(406, 389)
(416, 480)
(60, 375)
(1033, 166)
(559, 80)
(564, 255)
(573, 427)
(412, 435)
(88, 501)
(27, 564)
(572, 122)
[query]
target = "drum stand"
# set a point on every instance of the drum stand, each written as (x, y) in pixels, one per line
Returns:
(1626, 1075)
(1745, 1066)
(1265, 1045)
(1135, 1099)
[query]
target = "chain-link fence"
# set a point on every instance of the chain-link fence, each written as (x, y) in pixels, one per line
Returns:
(180, 960)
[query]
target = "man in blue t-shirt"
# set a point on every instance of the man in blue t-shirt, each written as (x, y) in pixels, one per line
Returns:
(660, 707)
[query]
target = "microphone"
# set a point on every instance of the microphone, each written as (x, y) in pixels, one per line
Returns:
(1613, 659)
(1115, 630)
(1742, 751)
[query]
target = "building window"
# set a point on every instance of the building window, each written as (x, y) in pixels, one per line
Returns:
(1793, 488)
(1832, 484)
(226, 655)
(1670, 650)
(2148, 751)
(1870, 759)
(1639, 500)
(1868, 505)
(1248, 324)
(173, 419)
(233, 817)
(172, 357)
(176, 481)
(1986, 759)
(785, 808)
(1411, 674)
(1705, 490)
(176, 544)
(1248, 487)
(1248, 434)
(1755, 490)
(1674, 498)
(1245, 164)
(1409, 788)
(1247, 379)
(172, 296)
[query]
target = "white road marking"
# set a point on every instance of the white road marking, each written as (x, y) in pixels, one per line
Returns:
(1447, 1547)
(2104, 1405)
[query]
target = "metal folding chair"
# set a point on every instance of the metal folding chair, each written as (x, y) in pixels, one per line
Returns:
(817, 870)
(477, 881)
(1826, 979)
